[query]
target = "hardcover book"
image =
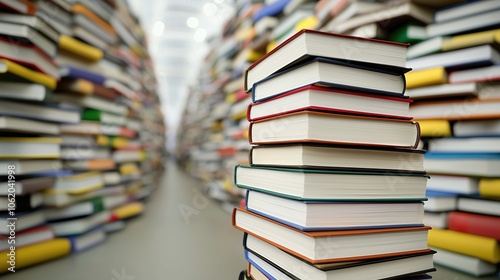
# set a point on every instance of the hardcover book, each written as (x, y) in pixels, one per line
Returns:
(329, 128)
(309, 184)
(310, 43)
(319, 247)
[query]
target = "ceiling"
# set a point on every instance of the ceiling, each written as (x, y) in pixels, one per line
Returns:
(177, 31)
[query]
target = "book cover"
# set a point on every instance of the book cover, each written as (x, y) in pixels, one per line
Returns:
(483, 225)
(484, 248)
(489, 187)
(37, 253)
(22, 73)
(426, 77)
(80, 73)
(79, 48)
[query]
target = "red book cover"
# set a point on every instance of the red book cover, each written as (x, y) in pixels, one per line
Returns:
(483, 225)
(20, 6)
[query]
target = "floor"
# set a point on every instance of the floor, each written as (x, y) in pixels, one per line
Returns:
(182, 235)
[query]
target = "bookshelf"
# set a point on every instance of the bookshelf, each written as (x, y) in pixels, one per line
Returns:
(83, 134)
(454, 63)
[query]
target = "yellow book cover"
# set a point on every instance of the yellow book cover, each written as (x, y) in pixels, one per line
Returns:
(434, 128)
(128, 210)
(36, 253)
(253, 55)
(484, 248)
(103, 140)
(7, 66)
(471, 40)
(426, 77)
(239, 115)
(231, 98)
(128, 168)
(489, 187)
(77, 179)
(119, 142)
(310, 22)
(79, 48)
(35, 147)
(271, 45)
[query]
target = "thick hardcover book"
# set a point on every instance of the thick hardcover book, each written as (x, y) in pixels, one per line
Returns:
(29, 56)
(19, 6)
(77, 210)
(27, 202)
(13, 72)
(318, 156)
(307, 43)
(25, 220)
(24, 91)
(319, 247)
(465, 164)
(332, 73)
(273, 262)
(37, 253)
(335, 215)
(87, 240)
(30, 147)
(28, 185)
(80, 73)
(479, 205)
(483, 225)
(42, 112)
(27, 237)
(459, 59)
(329, 128)
(324, 99)
(309, 184)
(484, 248)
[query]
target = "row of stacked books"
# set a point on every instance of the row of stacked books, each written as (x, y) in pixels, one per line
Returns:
(82, 131)
(456, 92)
(336, 184)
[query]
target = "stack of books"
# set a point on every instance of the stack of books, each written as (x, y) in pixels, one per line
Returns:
(456, 92)
(336, 184)
(82, 131)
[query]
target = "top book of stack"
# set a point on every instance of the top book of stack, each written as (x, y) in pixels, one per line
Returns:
(311, 43)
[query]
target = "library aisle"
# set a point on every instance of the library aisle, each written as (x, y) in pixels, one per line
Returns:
(163, 243)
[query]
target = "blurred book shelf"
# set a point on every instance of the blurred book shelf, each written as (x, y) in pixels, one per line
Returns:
(82, 132)
(453, 84)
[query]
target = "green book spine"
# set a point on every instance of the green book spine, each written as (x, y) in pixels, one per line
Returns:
(98, 204)
(91, 115)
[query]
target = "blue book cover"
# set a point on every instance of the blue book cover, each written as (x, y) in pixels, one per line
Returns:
(455, 155)
(272, 9)
(79, 73)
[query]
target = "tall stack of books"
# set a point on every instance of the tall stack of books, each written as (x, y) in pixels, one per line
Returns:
(456, 92)
(82, 132)
(335, 185)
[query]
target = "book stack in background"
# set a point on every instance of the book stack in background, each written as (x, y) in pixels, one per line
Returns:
(335, 185)
(81, 125)
(456, 92)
